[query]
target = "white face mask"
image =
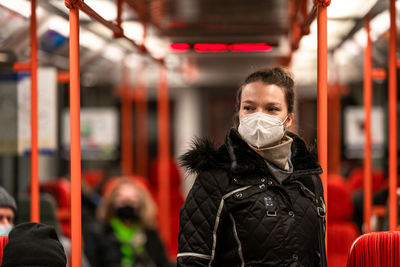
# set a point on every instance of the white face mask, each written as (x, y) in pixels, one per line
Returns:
(5, 229)
(261, 129)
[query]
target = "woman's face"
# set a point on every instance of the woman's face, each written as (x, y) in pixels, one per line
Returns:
(266, 98)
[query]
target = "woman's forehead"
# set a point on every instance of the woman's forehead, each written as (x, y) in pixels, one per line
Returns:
(126, 190)
(259, 91)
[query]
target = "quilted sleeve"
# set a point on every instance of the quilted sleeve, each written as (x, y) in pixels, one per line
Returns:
(198, 225)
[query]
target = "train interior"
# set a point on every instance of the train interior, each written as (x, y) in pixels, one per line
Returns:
(206, 48)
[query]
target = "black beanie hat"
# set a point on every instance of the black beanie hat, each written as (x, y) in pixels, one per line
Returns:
(6, 200)
(33, 244)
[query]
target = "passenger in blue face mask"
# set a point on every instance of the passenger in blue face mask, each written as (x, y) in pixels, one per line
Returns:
(257, 200)
(8, 209)
(129, 235)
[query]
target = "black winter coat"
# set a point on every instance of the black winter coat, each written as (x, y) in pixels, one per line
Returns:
(238, 214)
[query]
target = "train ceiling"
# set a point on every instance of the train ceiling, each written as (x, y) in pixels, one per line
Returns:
(206, 44)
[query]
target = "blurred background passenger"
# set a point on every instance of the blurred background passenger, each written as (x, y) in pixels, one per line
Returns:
(129, 237)
(8, 209)
(33, 244)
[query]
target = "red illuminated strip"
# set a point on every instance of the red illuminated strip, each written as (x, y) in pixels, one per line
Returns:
(250, 47)
(210, 48)
(220, 47)
(176, 25)
(179, 47)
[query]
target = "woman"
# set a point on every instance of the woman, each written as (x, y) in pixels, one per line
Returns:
(254, 201)
(129, 236)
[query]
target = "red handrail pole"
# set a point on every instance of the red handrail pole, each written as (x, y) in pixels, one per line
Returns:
(141, 123)
(367, 130)
(322, 98)
(323, 94)
(63, 76)
(35, 204)
(94, 15)
(126, 125)
(22, 66)
(118, 20)
(119, 13)
(163, 156)
(118, 31)
(392, 120)
(75, 159)
(305, 27)
(126, 132)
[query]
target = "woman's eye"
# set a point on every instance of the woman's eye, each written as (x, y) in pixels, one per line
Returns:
(271, 109)
(247, 108)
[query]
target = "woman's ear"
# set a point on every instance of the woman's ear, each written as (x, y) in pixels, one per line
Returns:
(289, 122)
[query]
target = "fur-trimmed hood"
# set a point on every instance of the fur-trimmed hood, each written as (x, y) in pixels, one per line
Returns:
(237, 157)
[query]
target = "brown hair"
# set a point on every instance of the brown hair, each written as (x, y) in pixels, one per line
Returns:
(278, 76)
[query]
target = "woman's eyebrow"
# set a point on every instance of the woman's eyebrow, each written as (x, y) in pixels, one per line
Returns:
(274, 103)
(248, 102)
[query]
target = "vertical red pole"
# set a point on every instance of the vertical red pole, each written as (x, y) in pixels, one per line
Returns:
(141, 115)
(126, 125)
(74, 105)
(163, 155)
(392, 120)
(322, 116)
(367, 130)
(35, 204)
(119, 13)
(141, 123)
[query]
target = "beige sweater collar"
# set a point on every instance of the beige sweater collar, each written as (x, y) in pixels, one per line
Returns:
(278, 154)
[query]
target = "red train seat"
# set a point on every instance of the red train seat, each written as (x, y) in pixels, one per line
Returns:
(341, 230)
(339, 199)
(3, 243)
(60, 189)
(378, 249)
(341, 236)
(93, 177)
(356, 179)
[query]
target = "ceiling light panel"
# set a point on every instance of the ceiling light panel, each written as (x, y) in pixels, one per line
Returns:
(360, 37)
(22, 7)
(91, 41)
(105, 8)
(59, 25)
(134, 30)
(339, 9)
(113, 53)
(380, 24)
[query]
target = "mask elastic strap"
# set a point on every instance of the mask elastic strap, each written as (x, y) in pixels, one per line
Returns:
(285, 120)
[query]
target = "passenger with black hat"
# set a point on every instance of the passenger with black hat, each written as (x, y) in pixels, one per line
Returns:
(33, 244)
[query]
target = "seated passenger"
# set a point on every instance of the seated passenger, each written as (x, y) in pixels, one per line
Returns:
(33, 244)
(8, 209)
(129, 236)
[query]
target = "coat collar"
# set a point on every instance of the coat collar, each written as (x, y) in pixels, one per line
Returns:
(245, 160)
(238, 158)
